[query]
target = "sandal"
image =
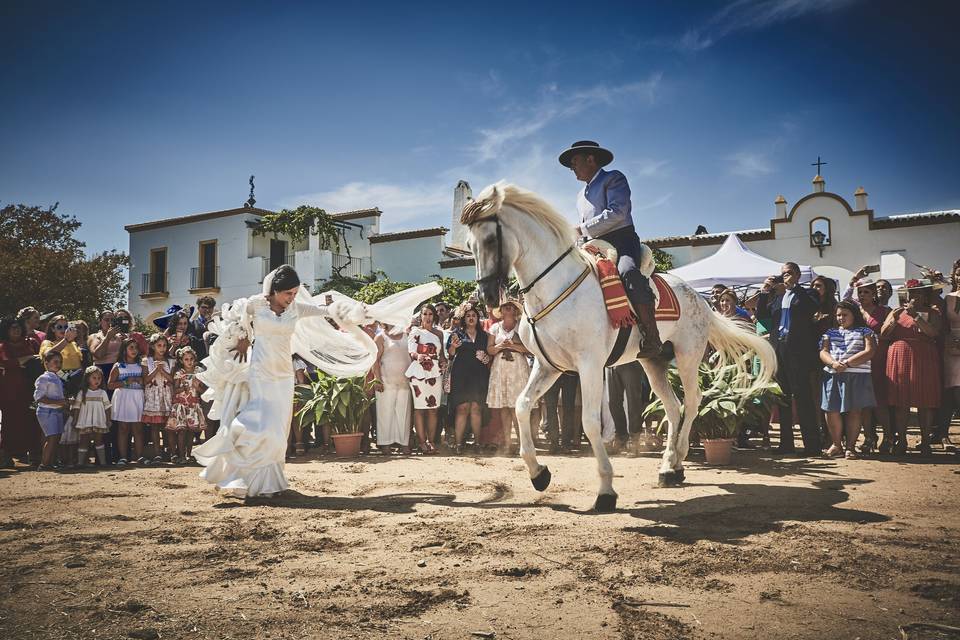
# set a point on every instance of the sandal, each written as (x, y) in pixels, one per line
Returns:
(301, 450)
(850, 454)
(429, 449)
(833, 452)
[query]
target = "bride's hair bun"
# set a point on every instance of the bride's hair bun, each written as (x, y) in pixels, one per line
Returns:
(285, 278)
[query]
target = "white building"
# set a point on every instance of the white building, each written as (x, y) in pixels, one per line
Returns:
(852, 237)
(175, 260)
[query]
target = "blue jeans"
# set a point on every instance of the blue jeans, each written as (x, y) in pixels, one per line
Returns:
(51, 421)
(627, 244)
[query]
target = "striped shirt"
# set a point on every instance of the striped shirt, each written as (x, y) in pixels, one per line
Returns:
(846, 343)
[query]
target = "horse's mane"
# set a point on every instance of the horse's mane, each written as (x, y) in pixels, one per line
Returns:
(491, 200)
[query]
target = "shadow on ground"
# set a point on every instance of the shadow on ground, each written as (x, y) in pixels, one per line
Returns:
(742, 510)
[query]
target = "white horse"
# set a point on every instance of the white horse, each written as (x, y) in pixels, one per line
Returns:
(514, 230)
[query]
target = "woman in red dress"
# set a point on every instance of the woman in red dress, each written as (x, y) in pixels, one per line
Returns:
(913, 371)
(19, 432)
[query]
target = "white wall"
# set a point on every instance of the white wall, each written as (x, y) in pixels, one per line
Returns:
(239, 275)
(468, 273)
(853, 244)
(411, 260)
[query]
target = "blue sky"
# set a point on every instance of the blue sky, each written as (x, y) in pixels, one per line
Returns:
(133, 111)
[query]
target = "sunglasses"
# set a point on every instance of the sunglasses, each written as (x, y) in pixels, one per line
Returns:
(60, 327)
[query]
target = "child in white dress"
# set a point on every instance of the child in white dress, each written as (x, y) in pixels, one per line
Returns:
(126, 382)
(91, 416)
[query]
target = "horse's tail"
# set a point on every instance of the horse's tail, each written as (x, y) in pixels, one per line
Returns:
(736, 344)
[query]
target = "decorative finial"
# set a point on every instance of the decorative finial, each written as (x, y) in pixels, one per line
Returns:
(251, 200)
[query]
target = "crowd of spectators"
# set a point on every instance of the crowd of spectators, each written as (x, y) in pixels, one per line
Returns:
(852, 367)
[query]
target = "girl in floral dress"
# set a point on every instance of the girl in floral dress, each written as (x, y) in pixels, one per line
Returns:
(186, 417)
(157, 390)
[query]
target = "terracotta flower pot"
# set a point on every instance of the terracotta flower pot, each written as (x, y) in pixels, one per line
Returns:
(718, 451)
(347, 445)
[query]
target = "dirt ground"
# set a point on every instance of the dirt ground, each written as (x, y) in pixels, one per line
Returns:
(448, 547)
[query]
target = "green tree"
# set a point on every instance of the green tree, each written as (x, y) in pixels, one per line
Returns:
(663, 260)
(299, 224)
(42, 264)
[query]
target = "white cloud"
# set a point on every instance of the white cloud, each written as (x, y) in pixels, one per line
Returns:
(555, 105)
(751, 15)
(659, 202)
(648, 168)
(402, 202)
(749, 164)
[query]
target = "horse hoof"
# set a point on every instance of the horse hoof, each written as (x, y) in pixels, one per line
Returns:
(542, 480)
(606, 503)
(680, 475)
(670, 479)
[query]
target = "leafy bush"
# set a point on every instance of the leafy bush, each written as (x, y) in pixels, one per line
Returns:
(339, 402)
(724, 407)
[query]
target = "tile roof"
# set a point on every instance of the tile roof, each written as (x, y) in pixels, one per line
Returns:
(195, 217)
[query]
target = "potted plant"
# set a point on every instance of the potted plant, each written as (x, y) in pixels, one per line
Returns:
(723, 409)
(341, 403)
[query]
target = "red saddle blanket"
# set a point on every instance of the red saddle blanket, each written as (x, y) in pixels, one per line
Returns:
(615, 296)
(668, 307)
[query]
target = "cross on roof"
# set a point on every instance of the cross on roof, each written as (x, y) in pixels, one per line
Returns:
(817, 164)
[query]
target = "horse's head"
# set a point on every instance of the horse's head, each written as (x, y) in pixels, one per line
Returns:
(493, 243)
(511, 230)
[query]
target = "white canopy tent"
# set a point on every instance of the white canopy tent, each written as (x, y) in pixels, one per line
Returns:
(735, 266)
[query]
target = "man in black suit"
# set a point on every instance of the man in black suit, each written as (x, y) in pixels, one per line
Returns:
(787, 309)
(205, 308)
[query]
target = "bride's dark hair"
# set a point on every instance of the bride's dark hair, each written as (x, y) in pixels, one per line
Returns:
(285, 278)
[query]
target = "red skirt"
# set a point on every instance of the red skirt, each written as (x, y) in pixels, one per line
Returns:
(913, 374)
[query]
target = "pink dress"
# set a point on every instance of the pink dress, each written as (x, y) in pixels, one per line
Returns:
(157, 395)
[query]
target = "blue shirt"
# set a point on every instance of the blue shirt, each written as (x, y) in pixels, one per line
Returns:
(49, 386)
(604, 204)
(785, 313)
(846, 343)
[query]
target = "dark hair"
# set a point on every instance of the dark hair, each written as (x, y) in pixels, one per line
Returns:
(154, 339)
(829, 302)
(792, 266)
(853, 308)
(432, 309)
(103, 313)
(123, 351)
(87, 374)
(729, 292)
(182, 351)
(49, 329)
(24, 313)
(50, 354)
(9, 323)
(285, 278)
(174, 321)
(206, 300)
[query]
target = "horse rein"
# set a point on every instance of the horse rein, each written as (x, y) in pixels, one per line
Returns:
(500, 278)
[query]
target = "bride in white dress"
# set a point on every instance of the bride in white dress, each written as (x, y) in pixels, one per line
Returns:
(254, 400)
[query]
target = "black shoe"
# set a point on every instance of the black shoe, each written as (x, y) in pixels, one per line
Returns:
(785, 450)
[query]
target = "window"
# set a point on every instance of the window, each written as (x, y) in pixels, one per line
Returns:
(156, 280)
(207, 273)
(820, 233)
(278, 253)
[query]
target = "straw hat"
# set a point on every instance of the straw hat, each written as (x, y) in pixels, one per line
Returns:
(496, 313)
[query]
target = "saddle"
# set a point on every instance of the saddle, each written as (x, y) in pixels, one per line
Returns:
(603, 256)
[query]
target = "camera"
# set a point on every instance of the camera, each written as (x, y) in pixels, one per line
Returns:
(778, 279)
(120, 322)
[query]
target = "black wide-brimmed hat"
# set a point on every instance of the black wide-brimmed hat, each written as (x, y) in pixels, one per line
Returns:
(603, 156)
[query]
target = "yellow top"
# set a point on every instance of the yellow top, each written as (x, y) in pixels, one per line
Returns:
(72, 358)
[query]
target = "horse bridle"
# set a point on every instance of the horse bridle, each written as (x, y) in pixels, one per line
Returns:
(499, 276)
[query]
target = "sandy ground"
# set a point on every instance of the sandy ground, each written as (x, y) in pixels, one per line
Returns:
(448, 547)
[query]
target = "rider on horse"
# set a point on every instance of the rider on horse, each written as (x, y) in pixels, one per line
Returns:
(604, 207)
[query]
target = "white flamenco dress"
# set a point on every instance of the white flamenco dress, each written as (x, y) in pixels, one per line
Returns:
(254, 400)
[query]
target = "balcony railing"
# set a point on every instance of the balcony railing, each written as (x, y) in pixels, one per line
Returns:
(154, 283)
(205, 277)
(350, 267)
(268, 266)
